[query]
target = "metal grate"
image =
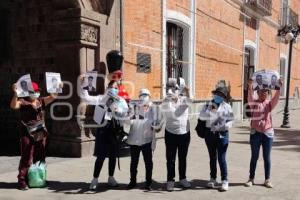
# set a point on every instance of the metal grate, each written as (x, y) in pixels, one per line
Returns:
(289, 17)
(174, 50)
(263, 7)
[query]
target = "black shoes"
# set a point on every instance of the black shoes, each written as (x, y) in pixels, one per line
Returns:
(131, 185)
(148, 187)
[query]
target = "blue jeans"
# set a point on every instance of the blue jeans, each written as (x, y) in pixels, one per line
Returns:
(217, 144)
(256, 140)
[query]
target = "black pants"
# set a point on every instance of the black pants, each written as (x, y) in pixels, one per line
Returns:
(105, 146)
(174, 142)
(147, 154)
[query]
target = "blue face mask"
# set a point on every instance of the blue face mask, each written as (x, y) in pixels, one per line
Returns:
(115, 91)
(218, 99)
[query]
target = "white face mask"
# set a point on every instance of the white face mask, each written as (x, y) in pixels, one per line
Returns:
(35, 95)
(145, 99)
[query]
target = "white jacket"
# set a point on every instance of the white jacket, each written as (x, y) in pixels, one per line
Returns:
(219, 120)
(177, 116)
(141, 131)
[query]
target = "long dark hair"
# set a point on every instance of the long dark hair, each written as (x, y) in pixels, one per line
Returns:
(111, 83)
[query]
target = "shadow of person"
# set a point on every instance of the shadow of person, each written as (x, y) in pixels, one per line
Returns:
(68, 187)
(5, 185)
(198, 184)
(80, 187)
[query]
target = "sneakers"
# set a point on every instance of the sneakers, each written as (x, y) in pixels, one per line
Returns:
(249, 183)
(131, 185)
(184, 183)
(268, 184)
(170, 186)
(94, 184)
(112, 181)
(225, 186)
(212, 183)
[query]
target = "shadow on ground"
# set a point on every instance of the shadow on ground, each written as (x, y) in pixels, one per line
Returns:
(83, 187)
(285, 140)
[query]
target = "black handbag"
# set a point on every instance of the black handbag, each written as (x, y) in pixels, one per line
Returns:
(201, 128)
(36, 129)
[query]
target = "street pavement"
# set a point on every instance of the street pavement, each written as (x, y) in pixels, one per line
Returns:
(69, 178)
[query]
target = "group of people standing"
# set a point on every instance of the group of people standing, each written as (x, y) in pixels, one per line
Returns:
(145, 120)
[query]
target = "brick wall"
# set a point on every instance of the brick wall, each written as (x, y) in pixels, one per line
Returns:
(219, 46)
(181, 6)
(220, 34)
(142, 31)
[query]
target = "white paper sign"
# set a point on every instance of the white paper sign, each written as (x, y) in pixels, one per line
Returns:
(266, 79)
(24, 86)
(99, 114)
(90, 81)
(52, 82)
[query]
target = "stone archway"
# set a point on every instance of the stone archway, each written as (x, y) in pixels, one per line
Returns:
(61, 36)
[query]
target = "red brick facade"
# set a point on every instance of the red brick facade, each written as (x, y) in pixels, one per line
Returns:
(222, 32)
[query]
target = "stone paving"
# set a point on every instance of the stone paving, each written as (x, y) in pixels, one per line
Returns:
(69, 178)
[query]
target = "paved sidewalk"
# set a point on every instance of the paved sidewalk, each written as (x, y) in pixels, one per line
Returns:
(69, 178)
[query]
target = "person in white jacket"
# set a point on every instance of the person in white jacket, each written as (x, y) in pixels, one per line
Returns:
(219, 118)
(177, 133)
(108, 134)
(142, 136)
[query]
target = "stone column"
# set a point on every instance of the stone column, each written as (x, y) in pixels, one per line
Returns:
(76, 33)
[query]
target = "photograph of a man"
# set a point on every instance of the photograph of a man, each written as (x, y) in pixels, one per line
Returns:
(24, 86)
(55, 86)
(53, 82)
(273, 85)
(259, 81)
(90, 87)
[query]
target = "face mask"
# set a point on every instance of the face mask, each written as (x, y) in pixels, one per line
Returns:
(114, 91)
(144, 99)
(218, 99)
(35, 95)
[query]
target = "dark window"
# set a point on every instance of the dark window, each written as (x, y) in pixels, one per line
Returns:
(174, 50)
(251, 22)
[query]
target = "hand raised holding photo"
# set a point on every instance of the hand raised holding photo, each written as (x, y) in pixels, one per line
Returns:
(280, 82)
(61, 85)
(250, 83)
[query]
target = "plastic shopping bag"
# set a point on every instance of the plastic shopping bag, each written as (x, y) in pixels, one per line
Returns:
(37, 175)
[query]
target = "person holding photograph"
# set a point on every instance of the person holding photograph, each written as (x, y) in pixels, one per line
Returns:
(262, 131)
(33, 132)
(219, 118)
(141, 136)
(177, 133)
(109, 134)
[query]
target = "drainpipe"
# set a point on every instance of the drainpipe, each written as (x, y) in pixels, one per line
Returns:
(121, 26)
